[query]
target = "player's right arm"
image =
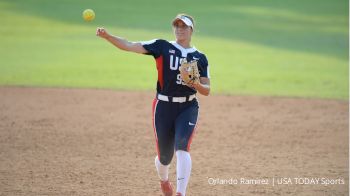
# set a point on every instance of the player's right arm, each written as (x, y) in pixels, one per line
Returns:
(121, 43)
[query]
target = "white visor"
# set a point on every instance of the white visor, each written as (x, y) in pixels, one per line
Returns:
(184, 19)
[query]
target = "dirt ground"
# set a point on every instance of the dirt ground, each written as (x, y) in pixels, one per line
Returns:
(56, 141)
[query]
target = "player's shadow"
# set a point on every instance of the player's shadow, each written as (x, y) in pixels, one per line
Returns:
(315, 26)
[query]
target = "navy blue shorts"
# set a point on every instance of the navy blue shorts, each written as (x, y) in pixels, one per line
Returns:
(174, 126)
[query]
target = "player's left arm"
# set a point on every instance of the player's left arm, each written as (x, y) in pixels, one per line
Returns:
(203, 87)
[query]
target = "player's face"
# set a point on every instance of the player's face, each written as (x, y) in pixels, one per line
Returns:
(182, 31)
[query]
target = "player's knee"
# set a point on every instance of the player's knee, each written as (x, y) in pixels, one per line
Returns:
(182, 144)
(165, 159)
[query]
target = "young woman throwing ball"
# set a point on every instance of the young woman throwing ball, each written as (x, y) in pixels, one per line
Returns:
(175, 107)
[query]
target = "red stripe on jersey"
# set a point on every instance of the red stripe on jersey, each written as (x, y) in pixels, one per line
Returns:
(154, 105)
(159, 62)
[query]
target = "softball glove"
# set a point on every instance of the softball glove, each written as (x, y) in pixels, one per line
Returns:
(189, 72)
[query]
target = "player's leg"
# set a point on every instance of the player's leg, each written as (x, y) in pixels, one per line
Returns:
(164, 135)
(165, 148)
(184, 129)
(164, 130)
(183, 170)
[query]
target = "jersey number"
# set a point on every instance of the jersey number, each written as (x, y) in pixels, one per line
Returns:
(179, 80)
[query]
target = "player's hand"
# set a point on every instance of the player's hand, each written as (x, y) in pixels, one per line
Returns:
(102, 32)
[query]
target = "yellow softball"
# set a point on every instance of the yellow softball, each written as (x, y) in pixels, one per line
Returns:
(88, 15)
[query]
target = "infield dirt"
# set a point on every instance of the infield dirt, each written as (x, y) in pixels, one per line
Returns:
(56, 141)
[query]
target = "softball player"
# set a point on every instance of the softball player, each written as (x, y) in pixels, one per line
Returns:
(175, 107)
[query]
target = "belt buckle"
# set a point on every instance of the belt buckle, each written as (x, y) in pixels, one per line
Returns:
(179, 99)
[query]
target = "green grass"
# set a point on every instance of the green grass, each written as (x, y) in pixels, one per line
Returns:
(269, 48)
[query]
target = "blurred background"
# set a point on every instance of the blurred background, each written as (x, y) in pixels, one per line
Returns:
(266, 48)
